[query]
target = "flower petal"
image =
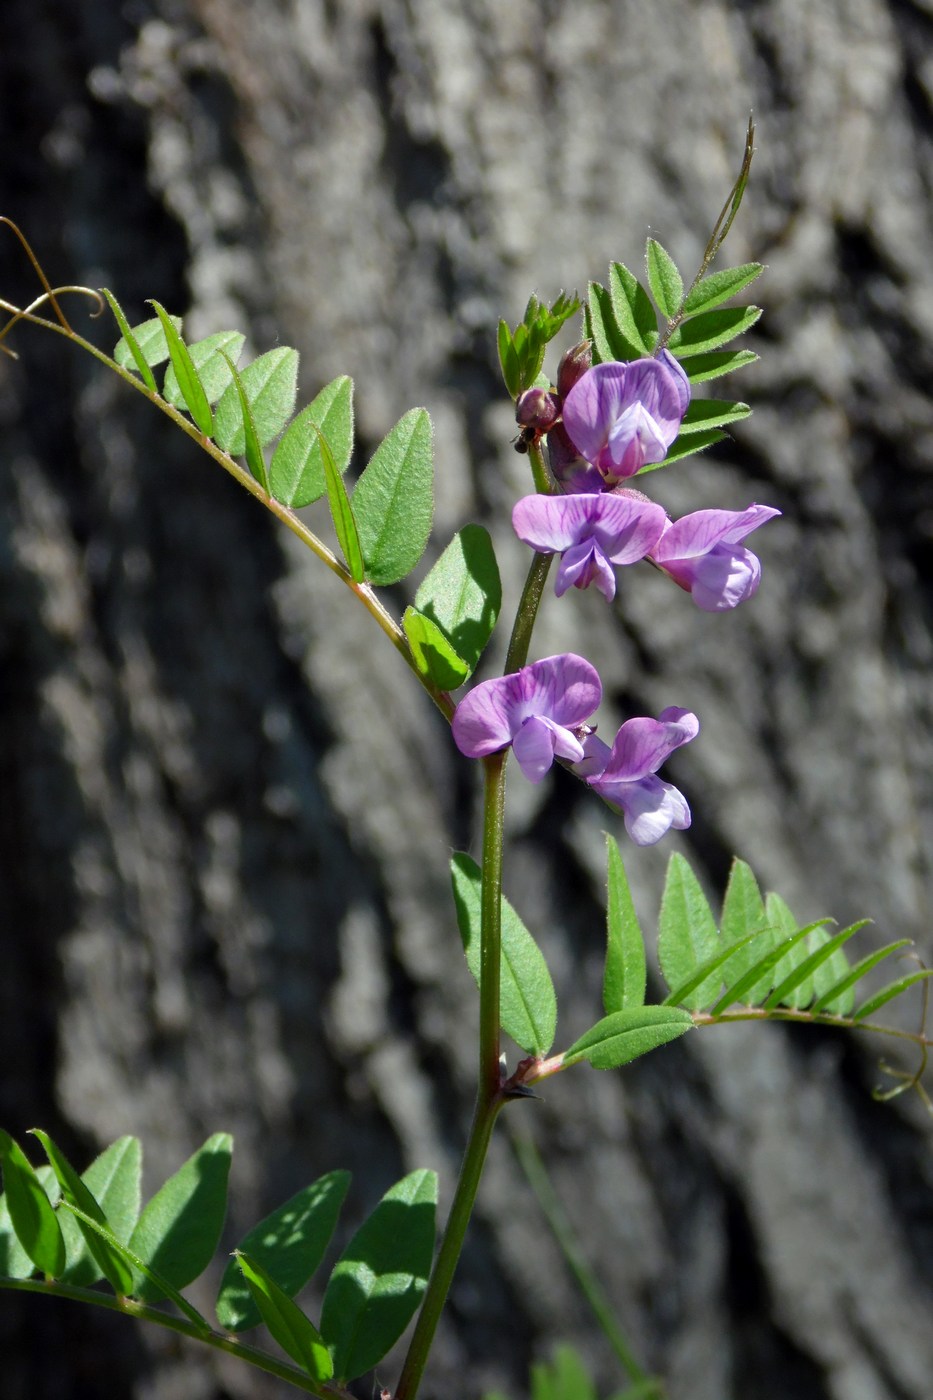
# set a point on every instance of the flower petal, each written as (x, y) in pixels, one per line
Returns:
(696, 534)
(643, 744)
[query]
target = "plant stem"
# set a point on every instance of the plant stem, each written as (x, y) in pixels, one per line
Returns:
(489, 1099)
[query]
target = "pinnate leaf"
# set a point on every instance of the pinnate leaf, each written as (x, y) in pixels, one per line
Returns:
(823, 949)
(296, 472)
(700, 368)
(888, 993)
(625, 1035)
(178, 1231)
(294, 1332)
(528, 1004)
(270, 383)
(625, 973)
(394, 500)
(288, 1245)
(711, 329)
(687, 935)
(381, 1276)
(828, 1000)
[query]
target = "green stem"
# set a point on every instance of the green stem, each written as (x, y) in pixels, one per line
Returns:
(489, 1099)
(220, 1341)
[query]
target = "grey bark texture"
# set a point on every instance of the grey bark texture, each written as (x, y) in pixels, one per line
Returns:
(226, 814)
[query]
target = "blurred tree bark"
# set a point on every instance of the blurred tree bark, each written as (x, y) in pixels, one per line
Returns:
(224, 840)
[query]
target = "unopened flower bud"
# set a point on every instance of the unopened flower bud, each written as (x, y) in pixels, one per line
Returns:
(537, 409)
(574, 363)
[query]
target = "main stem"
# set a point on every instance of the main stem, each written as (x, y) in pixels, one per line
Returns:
(488, 1097)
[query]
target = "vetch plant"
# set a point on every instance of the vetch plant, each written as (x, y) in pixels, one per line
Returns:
(623, 403)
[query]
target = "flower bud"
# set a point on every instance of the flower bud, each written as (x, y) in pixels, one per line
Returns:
(537, 409)
(575, 362)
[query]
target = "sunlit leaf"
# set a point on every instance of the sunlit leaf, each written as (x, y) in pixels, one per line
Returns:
(110, 1263)
(210, 358)
(189, 383)
(687, 934)
(717, 287)
(150, 339)
(625, 973)
(666, 283)
(711, 329)
(128, 352)
(462, 594)
(270, 383)
(394, 500)
(296, 472)
(179, 1229)
(700, 368)
(625, 1035)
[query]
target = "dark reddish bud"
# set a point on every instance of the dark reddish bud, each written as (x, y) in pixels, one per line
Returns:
(573, 364)
(537, 409)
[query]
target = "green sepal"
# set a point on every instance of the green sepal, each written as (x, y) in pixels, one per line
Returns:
(288, 1245)
(271, 384)
(150, 341)
(189, 384)
(625, 1035)
(179, 1230)
(251, 446)
(394, 500)
(109, 1261)
(128, 351)
(701, 368)
(294, 1332)
(434, 657)
(211, 359)
(462, 594)
(30, 1210)
(527, 1000)
(711, 329)
(717, 287)
(296, 473)
(666, 283)
(687, 934)
(625, 974)
(381, 1276)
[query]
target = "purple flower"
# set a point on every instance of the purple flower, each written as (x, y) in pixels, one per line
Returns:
(621, 416)
(625, 774)
(591, 533)
(701, 552)
(536, 710)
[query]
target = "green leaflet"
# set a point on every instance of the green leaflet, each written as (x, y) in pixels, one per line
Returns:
(128, 352)
(179, 1230)
(528, 1003)
(702, 974)
(783, 953)
(700, 368)
(805, 972)
(211, 360)
(717, 287)
(609, 341)
(785, 925)
(888, 993)
(704, 414)
(462, 594)
(625, 973)
(632, 311)
(102, 1259)
(394, 500)
(711, 329)
(270, 383)
(566, 1378)
(251, 444)
(687, 934)
(828, 1000)
(433, 654)
(30, 1211)
(743, 914)
(666, 283)
(625, 1035)
(381, 1276)
(189, 384)
(150, 341)
(288, 1245)
(294, 1332)
(296, 472)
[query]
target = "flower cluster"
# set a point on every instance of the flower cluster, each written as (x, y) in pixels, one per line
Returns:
(603, 425)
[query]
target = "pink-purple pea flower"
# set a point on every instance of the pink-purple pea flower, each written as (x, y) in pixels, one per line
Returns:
(621, 417)
(537, 710)
(625, 775)
(702, 553)
(591, 532)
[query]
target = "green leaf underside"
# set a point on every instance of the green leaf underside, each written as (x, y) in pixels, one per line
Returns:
(254, 458)
(288, 1245)
(711, 329)
(127, 351)
(625, 973)
(625, 1035)
(711, 413)
(296, 472)
(179, 1230)
(270, 383)
(528, 1004)
(666, 283)
(717, 287)
(825, 950)
(192, 390)
(462, 594)
(701, 368)
(208, 358)
(394, 500)
(828, 1001)
(888, 993)
(34, 1221)
(434, 657)
(687, 934)
(150, 338)
(381, 1276)
(99, 1259)
(294, 1332)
